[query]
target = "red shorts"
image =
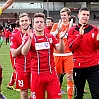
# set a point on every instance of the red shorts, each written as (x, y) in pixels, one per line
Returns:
(23, 80)
(45, 82)
(64, 64)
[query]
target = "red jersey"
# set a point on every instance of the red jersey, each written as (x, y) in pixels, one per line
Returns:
(47, 29)
(42, 53)
(84, 47)
(23, 61)
(7, 33)
(98, 55)
(13, 60)
(16, 30)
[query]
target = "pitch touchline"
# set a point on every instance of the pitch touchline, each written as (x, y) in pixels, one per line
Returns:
(4, 54)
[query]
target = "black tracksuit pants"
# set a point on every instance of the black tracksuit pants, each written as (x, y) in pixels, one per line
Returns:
(91, 74)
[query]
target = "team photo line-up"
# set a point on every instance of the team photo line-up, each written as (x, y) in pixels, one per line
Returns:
(43, 51)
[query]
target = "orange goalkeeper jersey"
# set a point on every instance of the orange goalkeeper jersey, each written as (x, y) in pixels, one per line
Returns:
(63, 28)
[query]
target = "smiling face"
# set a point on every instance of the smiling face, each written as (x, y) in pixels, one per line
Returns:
(84, 17)
(24, 22)
(64, 16)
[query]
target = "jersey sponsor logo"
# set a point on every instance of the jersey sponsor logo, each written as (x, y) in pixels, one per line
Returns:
(43, 45)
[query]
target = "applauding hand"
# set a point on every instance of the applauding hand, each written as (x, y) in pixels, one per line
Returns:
(81, 30)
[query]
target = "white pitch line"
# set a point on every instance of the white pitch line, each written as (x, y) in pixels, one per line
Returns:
(3, 54)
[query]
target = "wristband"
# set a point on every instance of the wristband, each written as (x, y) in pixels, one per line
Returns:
(0, 11)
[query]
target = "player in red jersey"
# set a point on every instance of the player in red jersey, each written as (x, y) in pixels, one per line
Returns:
(7, 34)
(12, 80)
(84, 42)
(43, 73)
(49, 24)
(22, 63)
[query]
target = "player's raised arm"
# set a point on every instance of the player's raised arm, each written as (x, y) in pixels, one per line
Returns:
(6, 5)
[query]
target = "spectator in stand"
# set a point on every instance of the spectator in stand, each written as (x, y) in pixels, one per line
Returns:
(9, 26)
(7, 34)
(8, 23)
(15, 15)
(3, 24)
(49, 24)
(83, 41)
(94, 16)
(73, 20)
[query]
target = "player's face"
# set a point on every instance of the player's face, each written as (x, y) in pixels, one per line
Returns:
(49, 23)
(84, 17)
(24, 22)
(38, 24)
(64, 16)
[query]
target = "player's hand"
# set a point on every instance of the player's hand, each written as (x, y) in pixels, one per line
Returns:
(55, 32)
(81, 30)
(30, 34)
(97, 37)
(23, 38)
(62, 34)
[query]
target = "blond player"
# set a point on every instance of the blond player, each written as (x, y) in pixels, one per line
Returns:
(64, 62)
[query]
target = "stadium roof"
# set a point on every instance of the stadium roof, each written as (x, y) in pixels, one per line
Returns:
(52, 0)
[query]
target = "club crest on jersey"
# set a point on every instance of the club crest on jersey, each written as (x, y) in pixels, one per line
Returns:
(42, 45)
(93, 35)
(50, 39)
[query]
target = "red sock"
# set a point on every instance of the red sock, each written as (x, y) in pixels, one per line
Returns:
(12, 80)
